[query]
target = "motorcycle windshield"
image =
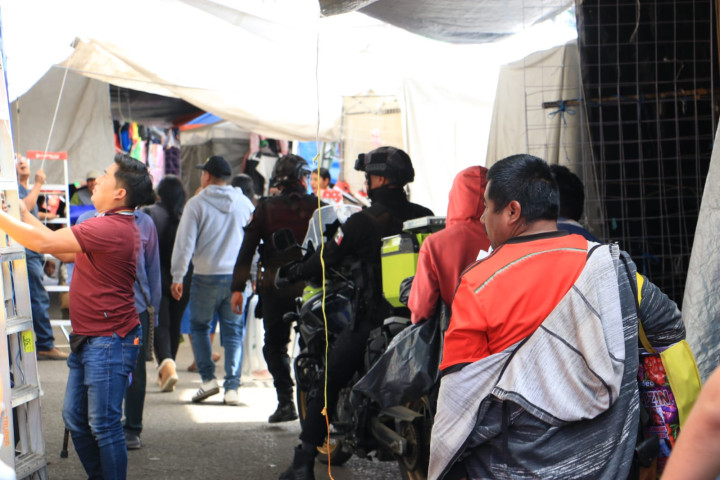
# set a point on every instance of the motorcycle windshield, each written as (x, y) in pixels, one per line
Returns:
(322, 219)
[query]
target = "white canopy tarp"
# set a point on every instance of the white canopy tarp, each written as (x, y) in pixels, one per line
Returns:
(521, 123)
(283, 75)
(83, 126)
(538, 110)
(267, 67)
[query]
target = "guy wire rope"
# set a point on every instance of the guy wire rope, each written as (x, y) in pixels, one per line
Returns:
(57, 107)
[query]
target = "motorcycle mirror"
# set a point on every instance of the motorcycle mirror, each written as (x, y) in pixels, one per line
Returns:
(284, 240)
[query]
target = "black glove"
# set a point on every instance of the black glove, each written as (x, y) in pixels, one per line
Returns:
(405, 287)
(287, 275)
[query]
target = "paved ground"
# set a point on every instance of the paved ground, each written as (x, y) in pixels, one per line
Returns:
(183, 440)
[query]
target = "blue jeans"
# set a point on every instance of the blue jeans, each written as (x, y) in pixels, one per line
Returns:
(92, 410)
(210, 294)
(39, 301)
(135, 393)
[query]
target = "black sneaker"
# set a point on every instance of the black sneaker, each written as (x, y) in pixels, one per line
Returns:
(132, 441)
(285, 413)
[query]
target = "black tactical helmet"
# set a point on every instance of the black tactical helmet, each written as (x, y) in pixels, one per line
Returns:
(389, 162)
(289, 169)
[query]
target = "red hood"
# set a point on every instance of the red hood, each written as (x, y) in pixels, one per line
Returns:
(465, 202)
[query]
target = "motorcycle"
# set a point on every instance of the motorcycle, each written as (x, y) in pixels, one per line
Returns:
(359, 425)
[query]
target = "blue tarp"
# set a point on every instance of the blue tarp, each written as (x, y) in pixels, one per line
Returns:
(77, 210)
(205, 119)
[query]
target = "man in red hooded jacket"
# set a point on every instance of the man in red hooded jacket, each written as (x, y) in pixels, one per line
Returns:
(445, 254)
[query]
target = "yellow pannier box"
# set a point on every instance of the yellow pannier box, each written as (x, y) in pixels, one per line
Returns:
(399, 255)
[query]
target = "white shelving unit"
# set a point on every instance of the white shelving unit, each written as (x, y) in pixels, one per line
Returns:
(21, 395)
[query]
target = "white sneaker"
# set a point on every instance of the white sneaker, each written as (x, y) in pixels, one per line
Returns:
(231, 397)
(206, 390)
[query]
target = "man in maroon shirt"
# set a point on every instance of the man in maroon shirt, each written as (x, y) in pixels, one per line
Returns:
(106, 328)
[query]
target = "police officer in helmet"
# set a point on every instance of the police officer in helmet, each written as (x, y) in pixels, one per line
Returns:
(292, 209)
(387, 171)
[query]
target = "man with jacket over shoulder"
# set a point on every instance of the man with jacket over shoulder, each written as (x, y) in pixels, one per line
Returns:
(540, 361)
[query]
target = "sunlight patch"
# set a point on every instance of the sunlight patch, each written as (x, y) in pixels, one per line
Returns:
(256, 405)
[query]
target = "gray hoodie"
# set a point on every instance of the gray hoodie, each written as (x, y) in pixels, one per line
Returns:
(211, 232)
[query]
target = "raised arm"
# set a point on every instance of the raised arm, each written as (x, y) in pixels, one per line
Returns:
(30, 199)
(32, 234)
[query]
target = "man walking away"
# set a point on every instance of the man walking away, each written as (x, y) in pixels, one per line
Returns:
(211, 232)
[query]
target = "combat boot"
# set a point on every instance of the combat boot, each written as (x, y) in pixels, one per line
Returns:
(302, 466)
(285, 412)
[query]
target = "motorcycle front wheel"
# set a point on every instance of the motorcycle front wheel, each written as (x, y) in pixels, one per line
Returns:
(331, 451)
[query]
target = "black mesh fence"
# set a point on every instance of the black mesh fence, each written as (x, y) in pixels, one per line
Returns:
(650, 74)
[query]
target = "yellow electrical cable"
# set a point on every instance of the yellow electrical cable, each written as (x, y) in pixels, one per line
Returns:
(324, 314)
(318, 158)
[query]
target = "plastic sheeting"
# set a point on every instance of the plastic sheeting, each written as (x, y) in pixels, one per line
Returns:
(458, 21)
(701, 303)
(253, 359)
(408, 369)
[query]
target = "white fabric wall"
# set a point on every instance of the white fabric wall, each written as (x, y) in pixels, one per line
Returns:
(445, 132)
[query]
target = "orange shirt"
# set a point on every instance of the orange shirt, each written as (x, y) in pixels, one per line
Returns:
(505, 297)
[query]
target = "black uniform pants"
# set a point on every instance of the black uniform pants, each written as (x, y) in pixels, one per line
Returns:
(277, 336)
(167, 333)
(346, 356)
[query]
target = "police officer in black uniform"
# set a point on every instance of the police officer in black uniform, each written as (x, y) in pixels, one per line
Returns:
(387, 170)
(292, 209)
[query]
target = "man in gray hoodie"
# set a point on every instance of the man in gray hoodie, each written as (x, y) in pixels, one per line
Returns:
(211, 232)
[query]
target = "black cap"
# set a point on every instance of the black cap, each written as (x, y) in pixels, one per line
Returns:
(216, 166)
